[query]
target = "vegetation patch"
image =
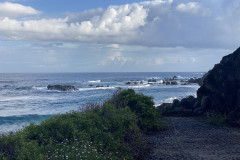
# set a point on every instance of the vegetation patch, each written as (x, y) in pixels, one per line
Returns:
(217, 119)
(112, 130)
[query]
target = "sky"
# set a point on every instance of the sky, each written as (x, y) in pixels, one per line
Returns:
(116, 35)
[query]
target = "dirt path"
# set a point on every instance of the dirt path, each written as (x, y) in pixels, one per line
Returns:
(188, 139)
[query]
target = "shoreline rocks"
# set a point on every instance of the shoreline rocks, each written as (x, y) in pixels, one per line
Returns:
(134, 82)
(167, 81)
(62, 88)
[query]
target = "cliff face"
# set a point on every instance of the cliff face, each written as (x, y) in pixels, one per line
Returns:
(220, 91)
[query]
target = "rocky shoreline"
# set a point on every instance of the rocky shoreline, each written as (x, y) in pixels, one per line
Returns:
(219, 93)
(167, 81)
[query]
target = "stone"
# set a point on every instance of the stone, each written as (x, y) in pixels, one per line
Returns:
(176, 103)
(221, 86)
(197, 105)
(128, 82)
(174, 83)
(168, 83)
(195, 80)
(188, 102)
(199, 111)
(62, 87)
(205, 102)
(174, 77)
(152, 80)
(164, 106)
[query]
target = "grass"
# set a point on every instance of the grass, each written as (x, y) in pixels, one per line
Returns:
(112, 130)
(217, 120)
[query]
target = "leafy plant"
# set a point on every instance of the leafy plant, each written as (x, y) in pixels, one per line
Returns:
(112, 130)
(217, 119)
(141, 105)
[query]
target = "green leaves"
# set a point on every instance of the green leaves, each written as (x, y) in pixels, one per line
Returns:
(111, 131)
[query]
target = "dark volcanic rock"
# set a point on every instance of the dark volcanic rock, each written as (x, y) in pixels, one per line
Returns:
(174, 83)
(188, 102)
(164, 107)
(197, 105)
(168, 83)
(61, 87)
(199, 111)
(176, 103)
(152, 80)
(220, 91)
(195, 80)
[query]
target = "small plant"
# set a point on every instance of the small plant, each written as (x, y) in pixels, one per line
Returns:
(217, 119)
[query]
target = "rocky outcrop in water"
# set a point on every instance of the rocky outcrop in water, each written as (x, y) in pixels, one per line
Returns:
(62, 87)
(195, 80)
(220, 91)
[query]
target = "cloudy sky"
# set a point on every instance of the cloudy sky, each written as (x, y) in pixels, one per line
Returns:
(116, 35)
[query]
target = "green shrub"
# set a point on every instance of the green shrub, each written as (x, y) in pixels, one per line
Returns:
(109, 131)
(217, 119)
(141, 105)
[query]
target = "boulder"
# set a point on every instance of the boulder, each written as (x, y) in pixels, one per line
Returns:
(62, 87)
(188, 102)
(152, 80)
(199, 111)
(197, 105)
(164, 107)
(168, 83)
(99, 86)
(174, 83)
(220, 90)
(195, 80)
(176, 103)
(205, 102)
(128, 82)
(174, 77)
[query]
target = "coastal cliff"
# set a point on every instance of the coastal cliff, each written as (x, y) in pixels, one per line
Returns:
(220, 91)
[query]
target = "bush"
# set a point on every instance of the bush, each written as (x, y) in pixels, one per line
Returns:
(112, 130)
(217, 119)
(141, 105)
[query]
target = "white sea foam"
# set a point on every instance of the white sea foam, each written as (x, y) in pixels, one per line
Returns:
(96, 81)
(140, 86)
(39, 88)
(180, 77)
(97, 88)
(18, 98)
(169, 100)
(161, 81)
(5, 128)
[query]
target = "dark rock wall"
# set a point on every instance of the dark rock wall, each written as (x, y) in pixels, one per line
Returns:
(220, 90)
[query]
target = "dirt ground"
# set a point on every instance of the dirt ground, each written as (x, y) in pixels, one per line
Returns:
(189, 139)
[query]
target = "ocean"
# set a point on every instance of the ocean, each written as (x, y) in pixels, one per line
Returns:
(25, 99)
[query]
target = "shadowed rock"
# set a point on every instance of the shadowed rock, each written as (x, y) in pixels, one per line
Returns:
(62, 87)
(220, 91)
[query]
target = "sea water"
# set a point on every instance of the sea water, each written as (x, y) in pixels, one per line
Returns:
(25, 99)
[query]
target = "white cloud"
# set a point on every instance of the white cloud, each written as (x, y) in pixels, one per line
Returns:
(159, 61)
(114, 21)
(193, 59)
(116, 46)
(159, 23)
(192, 7)
(115, 58)
(14, 10)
